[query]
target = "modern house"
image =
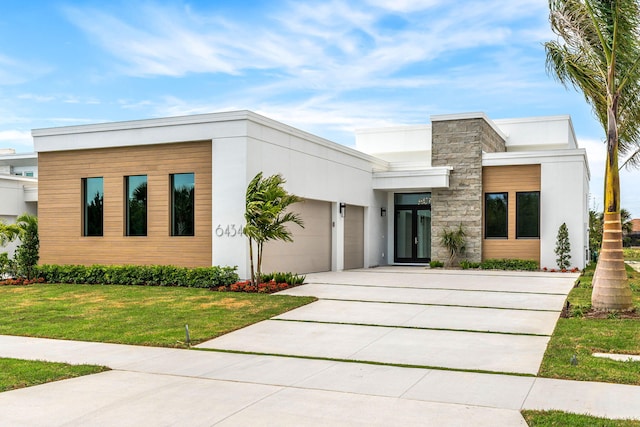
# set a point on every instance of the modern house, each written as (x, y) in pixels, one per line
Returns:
(171, 191)
(18, 187)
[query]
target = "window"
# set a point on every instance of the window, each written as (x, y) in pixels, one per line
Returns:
(495, 215)
(528, 214)
(182, 204)
(92, 201)
(136, 205)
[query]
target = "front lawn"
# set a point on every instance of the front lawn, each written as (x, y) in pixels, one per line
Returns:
(562, 419)
(141, 315)
(16, 373)
(583, 335)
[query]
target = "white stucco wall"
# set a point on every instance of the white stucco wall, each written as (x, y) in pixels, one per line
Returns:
(229, 169)
(538, 133)
(563, 200)
(397, 144)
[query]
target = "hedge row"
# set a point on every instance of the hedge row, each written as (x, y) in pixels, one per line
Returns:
(509, 264)
(149, 275)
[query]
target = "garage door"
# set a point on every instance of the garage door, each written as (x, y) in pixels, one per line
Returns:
(310, 250)
(354, 237)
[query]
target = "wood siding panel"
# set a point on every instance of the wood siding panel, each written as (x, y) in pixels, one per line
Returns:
(510, 179)
(60, 205)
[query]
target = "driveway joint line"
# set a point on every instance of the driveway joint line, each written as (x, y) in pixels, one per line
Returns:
(373, 362)
(437, 305)
(373, 325)
(422, 288)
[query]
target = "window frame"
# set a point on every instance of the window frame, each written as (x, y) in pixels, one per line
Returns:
(518, 211)
(506, 216)
(127, 206)
(85, 207)
(172, 215)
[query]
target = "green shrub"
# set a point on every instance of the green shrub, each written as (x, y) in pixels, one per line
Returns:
(509, 264)
(436, 264)
(465, 264)
(289, 278)
(7, 266)
(148, 275)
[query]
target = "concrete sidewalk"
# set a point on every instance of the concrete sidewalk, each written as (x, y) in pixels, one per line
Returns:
(159, 386)
(155, 386)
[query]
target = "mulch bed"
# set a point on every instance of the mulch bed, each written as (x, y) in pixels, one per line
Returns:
(595, 314)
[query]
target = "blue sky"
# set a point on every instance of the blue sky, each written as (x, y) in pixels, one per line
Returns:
(327, 67)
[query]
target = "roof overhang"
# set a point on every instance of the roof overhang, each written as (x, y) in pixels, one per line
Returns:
(23, 159)
(537, 157)
(409, 180)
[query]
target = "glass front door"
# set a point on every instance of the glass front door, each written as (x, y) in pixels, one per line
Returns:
(413, 228)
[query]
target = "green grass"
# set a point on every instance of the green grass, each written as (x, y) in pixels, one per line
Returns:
(140, 315)
(562, 419)
(631, 254)
(16, 373)
(583, 336)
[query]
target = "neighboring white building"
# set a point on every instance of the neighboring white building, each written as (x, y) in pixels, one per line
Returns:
(510, 183)
(18, 187)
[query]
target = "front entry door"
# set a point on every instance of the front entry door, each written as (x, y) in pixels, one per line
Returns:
(412, 234)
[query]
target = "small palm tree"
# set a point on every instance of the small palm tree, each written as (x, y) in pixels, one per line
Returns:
(266, 216)
(27, 253)
(455, 242)
(8, 232)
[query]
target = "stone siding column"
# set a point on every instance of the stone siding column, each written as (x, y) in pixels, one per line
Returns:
(459, 143)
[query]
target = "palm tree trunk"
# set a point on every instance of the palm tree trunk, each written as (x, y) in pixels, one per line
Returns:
(253, 271)
(259, 274)
(611, 289)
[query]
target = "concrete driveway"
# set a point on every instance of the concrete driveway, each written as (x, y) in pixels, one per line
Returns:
(466, 320)
(412, 325)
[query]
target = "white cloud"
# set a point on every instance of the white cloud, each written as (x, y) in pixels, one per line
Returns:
(16, 138)
(36, 97)
(334, 45)
(14, 71)
(404, 6)
(630, 197)
(329, 118)
(12, 135)
(595, 151)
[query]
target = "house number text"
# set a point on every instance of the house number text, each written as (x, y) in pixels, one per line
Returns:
(230, 230)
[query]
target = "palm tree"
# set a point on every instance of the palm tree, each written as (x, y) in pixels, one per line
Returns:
(8, 232)
(626, 221)
(266, 216)
(27, 253)
(598, 52)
